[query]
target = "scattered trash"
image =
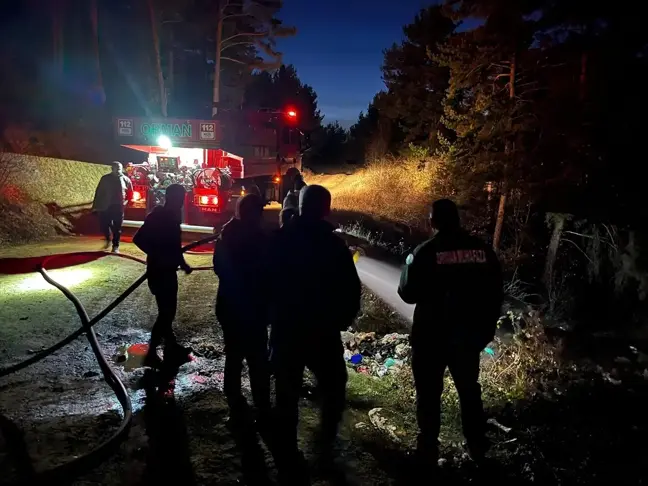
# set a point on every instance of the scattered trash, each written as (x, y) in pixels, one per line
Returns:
(609, 379)
(378, 420)
(507, 441)
(361, 425)
(441, 462)
(489, 351)
(503, 428)
(373, 355)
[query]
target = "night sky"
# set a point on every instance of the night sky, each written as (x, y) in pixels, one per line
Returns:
(338, 48)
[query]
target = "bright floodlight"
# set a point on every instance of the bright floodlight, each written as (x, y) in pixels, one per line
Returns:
(164, 142)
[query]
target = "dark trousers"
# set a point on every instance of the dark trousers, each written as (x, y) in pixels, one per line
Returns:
(165, 289)
(111, 220)
(251, 345)
(429, 367)
(326, 362)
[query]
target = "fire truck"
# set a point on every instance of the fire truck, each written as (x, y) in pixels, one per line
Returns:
(216, 161)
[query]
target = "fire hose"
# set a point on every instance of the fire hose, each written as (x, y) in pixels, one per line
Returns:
(84, 463)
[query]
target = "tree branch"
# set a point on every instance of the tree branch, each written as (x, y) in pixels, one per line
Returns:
(225, 58)
(251, 43)
(245, 34)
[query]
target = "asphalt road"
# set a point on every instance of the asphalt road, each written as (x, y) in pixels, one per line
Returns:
(380, 277)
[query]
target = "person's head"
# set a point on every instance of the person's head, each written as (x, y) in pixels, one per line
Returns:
(254, 190)
(286, 214)
(174, 197)
(314, 202)
(249, 209)
(116, 168)
(444, 215)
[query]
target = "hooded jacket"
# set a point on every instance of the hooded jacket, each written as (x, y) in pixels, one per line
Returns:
(160, 237)
(112, 190)
(241, 262)
(324, 296)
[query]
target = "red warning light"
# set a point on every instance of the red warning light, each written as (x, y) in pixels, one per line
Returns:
(292, 113)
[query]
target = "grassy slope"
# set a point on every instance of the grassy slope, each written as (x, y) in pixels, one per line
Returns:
(42, 194)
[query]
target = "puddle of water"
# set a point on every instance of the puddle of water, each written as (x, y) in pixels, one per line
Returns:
(132, 357)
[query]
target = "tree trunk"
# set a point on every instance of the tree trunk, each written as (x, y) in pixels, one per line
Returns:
(94, 19)
(509, 151)
(58, 20)
(552, 255)
(217, 60)
(499, 222)
(171, 68)
(158, 59)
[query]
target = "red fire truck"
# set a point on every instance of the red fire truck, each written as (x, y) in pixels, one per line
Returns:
(215, 160)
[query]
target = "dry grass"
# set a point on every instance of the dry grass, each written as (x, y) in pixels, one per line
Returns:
(398, 190)
(39, 186)
(46, 180)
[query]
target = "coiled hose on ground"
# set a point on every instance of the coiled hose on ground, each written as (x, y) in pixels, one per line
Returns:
(68, 471)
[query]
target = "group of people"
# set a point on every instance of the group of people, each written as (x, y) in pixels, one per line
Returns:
(305, 321)
(300, 281)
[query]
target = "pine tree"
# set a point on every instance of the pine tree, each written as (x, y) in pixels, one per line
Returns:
(486, 105)
(416, 82)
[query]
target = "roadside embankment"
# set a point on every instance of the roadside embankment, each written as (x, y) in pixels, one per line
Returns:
(41, 197)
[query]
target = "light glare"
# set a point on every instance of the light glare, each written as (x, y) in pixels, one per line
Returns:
(164, 142)
(68, 277)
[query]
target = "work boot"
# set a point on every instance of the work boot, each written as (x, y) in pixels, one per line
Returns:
(176, 355)
(292, 469)
(115, 249)
(152, 360)
(427, 453)
(476, 450)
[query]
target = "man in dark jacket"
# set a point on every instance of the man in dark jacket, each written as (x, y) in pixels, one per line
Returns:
(160, 237)
(306, 327)
(241, 263)
(455, 281)
(112, 194)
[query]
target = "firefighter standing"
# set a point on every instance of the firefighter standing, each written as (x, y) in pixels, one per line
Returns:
(242, 305)
(455, 281)
(111, 196)
(306, 326)
(160, 237)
